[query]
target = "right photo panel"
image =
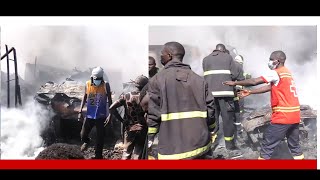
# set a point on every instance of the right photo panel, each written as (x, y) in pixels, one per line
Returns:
(232, 92)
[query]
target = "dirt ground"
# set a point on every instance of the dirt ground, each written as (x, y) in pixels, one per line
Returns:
(113, 148)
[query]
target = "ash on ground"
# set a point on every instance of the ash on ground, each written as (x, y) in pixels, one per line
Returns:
(111, 153)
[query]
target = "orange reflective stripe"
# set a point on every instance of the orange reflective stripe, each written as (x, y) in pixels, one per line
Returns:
(286, 109)
(288, 74)
(293, 110)
(282, 107)
(285, 75)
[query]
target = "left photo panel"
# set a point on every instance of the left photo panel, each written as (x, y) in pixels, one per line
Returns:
(66, 90)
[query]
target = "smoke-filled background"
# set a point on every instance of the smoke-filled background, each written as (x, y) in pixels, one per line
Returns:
(119, 49)
(21, 128)
(255, 44)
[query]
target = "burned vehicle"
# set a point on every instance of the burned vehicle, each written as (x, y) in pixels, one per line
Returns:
(65, 100)
(256, 121)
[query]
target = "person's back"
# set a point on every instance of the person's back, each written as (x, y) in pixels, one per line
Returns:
(135, 126)
(178, 111)
(183, 111)
(134, 113)
(218, 67)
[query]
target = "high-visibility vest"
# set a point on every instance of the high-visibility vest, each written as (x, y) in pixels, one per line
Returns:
(284, 99)
(97, 101)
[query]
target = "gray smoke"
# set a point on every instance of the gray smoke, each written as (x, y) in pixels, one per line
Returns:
(255, 44)
(21, 130)
(119, 50)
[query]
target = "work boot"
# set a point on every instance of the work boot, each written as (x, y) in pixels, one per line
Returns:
(84, 147)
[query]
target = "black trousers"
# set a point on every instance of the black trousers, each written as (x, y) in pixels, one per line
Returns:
(87, 126)
(225, 107)
(239, 107)
(275, 133)
(237, 111)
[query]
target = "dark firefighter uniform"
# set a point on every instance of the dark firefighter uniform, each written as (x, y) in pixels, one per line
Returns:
(178, 112)
(153, 71)
(135, 124)
(219, 67)
(239, 103)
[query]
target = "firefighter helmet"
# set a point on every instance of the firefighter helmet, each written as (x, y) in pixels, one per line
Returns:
(239, 59)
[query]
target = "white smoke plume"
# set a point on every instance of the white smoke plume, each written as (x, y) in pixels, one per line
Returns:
(21, 130)
(255, 44)
(121, 50)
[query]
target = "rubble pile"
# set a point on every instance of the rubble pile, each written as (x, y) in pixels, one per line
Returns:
(61, 151)
(107, 153)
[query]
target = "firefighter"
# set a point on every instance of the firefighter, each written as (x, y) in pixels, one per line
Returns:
(98, 97)
(218, 67)
(134, 121)
(284, 103)
(153, 69)
(177, 108)
(239, 103)
(240, 60)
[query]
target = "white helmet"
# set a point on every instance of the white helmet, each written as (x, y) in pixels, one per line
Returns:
(97, 73)
(239, 59)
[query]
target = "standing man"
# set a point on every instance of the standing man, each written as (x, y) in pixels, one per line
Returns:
(218, 67)
(239, 103)
(98, 97)
(177, 108)
(134, 120)
(285, 106)
(152, 67)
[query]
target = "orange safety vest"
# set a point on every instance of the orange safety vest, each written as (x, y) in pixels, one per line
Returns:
(284, 99)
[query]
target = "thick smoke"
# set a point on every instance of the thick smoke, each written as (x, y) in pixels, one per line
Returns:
(21, 130)
(255, 44)
(120, 50)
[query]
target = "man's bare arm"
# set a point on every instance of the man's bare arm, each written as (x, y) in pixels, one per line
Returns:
(84, 100)
(261, 90)
(247, 82)
(246, 92)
